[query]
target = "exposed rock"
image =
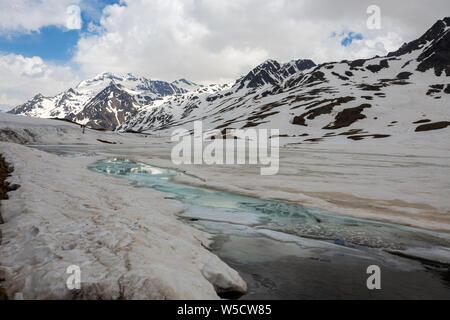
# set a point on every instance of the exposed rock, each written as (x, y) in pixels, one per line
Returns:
(347, 117)
(437, 55)
(422, 121)
(404, 75)
(110, 108)
(374, 136)
(310, 115)
(377, 67)
(5, 187)
(433, 126)
(72, 103)
(272, 72)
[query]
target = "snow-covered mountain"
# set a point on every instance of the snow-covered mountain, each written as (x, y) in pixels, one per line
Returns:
(272, 73)
(400, 95)
(104, 101)
(186, 84)
(161, 113)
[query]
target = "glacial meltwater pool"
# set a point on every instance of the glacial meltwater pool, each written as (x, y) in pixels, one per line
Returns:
(286, 251)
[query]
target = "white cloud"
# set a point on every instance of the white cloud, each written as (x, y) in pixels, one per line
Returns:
(202, 40)
(209, 40)
(21, 78)
(7, 103)
(24, 16)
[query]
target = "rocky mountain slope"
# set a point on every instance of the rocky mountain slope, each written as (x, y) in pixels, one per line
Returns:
(105, 101)
(161, 113)
(401, 95)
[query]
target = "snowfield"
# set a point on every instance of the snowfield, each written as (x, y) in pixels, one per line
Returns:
(396, 184)
(127, 241)
(27, 130)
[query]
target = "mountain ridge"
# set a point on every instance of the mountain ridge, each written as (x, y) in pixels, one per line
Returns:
(70, 104)
(306, 101)
(364, 99)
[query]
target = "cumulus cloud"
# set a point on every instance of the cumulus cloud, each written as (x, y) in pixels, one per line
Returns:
(21, 78)
(25, 16)
(205, 40)
(213, 40)
(165, 39)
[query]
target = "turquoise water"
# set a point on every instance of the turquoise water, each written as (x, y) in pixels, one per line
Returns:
(284, 250)
(224, 212)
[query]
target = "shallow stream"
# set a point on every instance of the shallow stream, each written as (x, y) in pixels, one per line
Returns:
(286, 251)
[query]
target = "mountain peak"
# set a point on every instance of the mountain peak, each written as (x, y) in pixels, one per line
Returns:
(108, 109)
(272, 72)
(269, 62)
(102, 94)
(433, 48)
(295, 66)
(107, 75)
(186, 85)
(97, 100)
(438, 29)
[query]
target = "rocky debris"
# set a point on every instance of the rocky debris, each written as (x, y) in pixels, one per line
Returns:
(5, 187)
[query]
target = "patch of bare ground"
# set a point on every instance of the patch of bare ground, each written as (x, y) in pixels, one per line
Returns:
(368, 87)
(251, 124)
(374, 136)
(435, 89)
(352, 132)
(433, 126)
(262, 116)
(341, 77)
(314, 140)
(105, 141)
(5, 187)
(347, 117)
(280, 136)
(326, 109)
(422, 121)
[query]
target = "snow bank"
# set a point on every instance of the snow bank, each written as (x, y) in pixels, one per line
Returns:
(126, 240)
(28, 130)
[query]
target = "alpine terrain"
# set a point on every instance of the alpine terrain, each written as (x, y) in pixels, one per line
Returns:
(396, 96)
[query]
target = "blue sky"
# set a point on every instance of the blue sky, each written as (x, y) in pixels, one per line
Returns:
(53, 43)
(346, 37)
(349, 37)
(56, 44)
